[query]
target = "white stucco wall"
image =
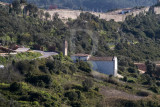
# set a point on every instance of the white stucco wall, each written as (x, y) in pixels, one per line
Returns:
(1, 66)
(115, 66)
(105, 67)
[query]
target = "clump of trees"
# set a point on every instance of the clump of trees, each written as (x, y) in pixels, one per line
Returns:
(87, 84)
(134, 38)
(84, 66)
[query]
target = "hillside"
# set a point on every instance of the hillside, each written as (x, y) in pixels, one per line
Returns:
(57, 81)
(86, 34)
(92, 5)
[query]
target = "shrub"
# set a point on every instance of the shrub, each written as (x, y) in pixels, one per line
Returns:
(15, 86)
(131, 70)
(146, 79)
(158, 83)
(35, 96)
(143, 93)
(23, 66)
(44, 69)
(76, 104)
(134, 75)
(87, 84)
(97, 89)
(128, 87)
(77, 87)
(42, 80)
(36, 103)
(84, 66)
(50, 64)
(155, 89)
(131, 81)
(67, 86)
(125, 79)
(72, 95)
(112, 81)
(121, 68)
(73, 68)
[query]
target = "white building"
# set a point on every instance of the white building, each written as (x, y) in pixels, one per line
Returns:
(105, 65)
(1, 66)
(65, 50)
(82, 57)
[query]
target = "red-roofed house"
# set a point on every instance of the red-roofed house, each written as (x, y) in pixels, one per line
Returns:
(83, 57)
(105, 65)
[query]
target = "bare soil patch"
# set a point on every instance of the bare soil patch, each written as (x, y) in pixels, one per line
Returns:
(110, 93)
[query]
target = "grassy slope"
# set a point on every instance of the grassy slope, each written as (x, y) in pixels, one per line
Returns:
(111, 90)
(19, 56)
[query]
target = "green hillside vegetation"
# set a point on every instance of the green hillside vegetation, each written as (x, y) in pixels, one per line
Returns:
(20, 56)
(136, 38)
(57, 81)
(92, 5)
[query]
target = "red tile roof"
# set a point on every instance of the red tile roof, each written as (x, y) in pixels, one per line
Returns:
(141, 66)
(100, 59)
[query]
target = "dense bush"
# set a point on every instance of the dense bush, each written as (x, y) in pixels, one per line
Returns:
(35, 96)
(87, 84)
(40, 80)
(72, 95)
(15, 87)
(23, 66)
(131, 70)
(155, 89)
(143, 93)
(84, 66)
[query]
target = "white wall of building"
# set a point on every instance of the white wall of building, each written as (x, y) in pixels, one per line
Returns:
(115, 66)
(105, 67)
(1, 66)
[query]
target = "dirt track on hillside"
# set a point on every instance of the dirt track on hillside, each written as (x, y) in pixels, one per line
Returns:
(113, 93)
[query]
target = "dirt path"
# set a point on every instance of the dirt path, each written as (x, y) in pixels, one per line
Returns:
(109, 93)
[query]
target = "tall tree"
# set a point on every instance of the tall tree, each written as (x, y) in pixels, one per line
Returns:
(16, 6)
(47, 15)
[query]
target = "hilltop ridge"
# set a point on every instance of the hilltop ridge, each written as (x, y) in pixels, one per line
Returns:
(118, 15)
(90, 5)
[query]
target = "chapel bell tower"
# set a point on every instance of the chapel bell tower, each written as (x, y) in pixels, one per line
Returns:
(65, 48)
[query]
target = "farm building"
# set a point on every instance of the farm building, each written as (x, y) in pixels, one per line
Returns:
(105, 65)
(82, 57)
(1, 66)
